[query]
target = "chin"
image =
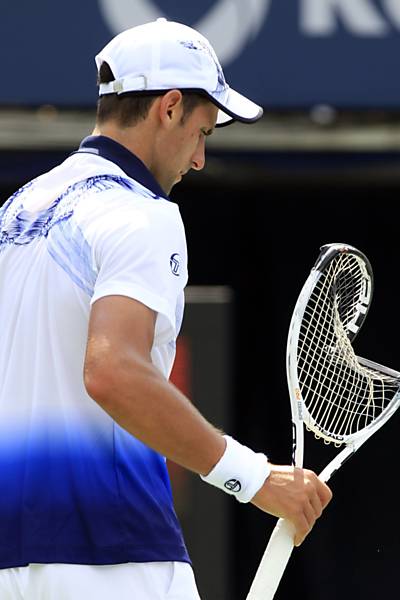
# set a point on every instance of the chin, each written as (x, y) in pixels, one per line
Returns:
(168, 189)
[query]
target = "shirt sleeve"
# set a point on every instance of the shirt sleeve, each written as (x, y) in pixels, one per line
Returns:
(140, 252)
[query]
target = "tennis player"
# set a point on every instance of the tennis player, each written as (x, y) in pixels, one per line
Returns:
(93, 267)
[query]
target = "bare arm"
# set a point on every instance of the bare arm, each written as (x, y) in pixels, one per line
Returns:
(120, 376)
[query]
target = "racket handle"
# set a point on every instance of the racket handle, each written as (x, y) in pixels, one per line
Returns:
(273, 562)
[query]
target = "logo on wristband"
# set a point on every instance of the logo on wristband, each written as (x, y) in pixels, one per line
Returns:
(233, 485)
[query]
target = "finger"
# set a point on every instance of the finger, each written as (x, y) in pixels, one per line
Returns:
(310, 514)
(316, 504)
(302, 530)
(324, 493)
(312, 510)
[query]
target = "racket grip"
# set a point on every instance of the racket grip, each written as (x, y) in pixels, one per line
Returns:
(273, 562)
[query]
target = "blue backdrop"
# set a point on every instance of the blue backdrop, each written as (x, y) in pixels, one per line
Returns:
(283, 53)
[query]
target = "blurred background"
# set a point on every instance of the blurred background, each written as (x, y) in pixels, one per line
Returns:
(323, 165)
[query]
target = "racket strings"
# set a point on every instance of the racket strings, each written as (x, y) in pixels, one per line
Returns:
(341, 395)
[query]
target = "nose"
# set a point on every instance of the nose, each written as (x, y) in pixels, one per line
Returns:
(199, 156)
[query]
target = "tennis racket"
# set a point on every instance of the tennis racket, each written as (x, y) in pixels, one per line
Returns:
(342, 398)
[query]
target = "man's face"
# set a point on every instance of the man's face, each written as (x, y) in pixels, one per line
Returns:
(184, 147)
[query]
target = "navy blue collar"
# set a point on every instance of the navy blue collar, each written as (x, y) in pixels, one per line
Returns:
(127, 161)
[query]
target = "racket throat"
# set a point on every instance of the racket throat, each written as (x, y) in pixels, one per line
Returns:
(340, 459)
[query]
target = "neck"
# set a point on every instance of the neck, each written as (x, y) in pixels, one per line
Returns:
(138, 139)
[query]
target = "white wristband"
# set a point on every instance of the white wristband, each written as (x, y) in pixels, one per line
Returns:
(240, 471)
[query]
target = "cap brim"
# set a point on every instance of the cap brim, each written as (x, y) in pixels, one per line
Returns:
(236, 107)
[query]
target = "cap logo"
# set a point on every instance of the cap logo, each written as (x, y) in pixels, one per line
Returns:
(202, 46)
(190, 45)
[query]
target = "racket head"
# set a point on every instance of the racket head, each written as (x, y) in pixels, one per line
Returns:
(333, 392)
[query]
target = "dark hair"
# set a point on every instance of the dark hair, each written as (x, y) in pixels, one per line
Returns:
(131, 107)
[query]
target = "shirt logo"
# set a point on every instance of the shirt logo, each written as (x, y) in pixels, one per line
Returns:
(175, 264)
(233, 485)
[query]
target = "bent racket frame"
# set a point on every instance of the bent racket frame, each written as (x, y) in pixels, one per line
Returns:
(340, 397)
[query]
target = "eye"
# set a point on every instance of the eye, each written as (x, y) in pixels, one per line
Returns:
(207, 132)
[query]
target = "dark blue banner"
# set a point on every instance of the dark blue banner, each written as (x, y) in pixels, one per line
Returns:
(282, 53)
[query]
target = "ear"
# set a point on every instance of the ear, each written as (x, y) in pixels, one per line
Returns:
(171, 107)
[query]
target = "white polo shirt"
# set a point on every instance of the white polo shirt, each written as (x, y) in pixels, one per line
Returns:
(75, 487)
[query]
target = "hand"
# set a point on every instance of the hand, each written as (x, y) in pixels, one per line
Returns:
(295, 494)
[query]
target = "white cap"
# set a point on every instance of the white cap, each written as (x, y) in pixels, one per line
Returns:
(164, 55)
